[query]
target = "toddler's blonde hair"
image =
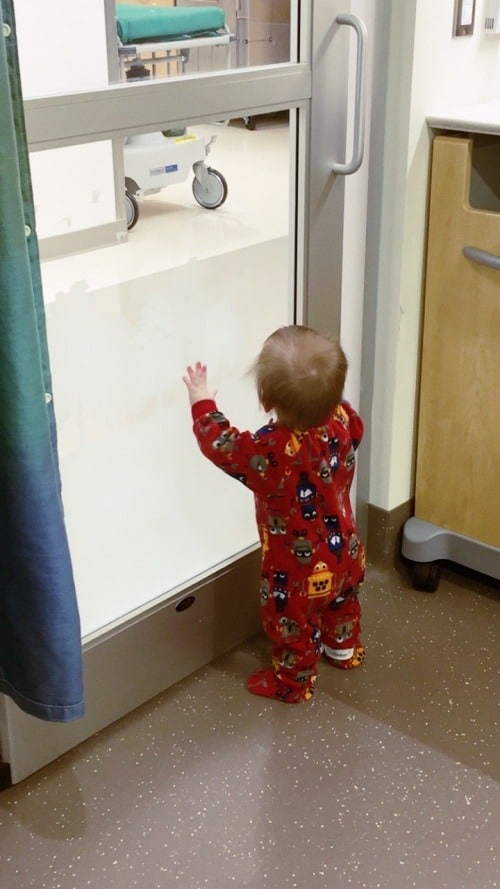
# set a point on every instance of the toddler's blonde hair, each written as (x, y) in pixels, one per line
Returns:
(300, 374)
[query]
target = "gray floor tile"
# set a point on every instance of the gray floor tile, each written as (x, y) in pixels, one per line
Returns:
(387, 778)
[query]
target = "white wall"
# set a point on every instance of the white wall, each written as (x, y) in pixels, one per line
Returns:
(59, 43)
(426, 69)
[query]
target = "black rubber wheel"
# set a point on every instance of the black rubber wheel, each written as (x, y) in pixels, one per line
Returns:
(131, 209)
(216, 192)
(250, 122)
(426, 576)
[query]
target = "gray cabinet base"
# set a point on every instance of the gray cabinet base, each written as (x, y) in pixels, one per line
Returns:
(424, 542)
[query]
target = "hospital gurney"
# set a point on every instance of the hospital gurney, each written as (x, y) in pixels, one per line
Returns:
(155, 160)
(149, 36)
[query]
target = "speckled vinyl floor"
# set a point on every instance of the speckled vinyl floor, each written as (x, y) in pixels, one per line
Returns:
(387, 778)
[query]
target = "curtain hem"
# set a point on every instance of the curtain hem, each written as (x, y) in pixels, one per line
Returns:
(48, 712)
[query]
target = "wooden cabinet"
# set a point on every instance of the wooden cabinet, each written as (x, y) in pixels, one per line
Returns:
(458, 450)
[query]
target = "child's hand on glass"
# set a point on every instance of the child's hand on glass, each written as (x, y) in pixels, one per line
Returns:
(196, 382)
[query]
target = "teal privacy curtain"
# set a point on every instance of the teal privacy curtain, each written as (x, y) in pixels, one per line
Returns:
(40, 642)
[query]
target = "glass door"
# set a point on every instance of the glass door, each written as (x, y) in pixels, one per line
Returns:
(186, 207)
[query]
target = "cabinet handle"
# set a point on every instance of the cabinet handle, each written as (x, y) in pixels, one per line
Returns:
(359, 107)
(491, 260)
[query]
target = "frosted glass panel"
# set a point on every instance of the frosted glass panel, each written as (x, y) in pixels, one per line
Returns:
(145, 512)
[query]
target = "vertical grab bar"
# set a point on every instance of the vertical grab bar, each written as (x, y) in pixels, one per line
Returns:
(352, 21)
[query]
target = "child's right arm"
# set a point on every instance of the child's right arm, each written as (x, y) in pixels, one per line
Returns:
(239, 454)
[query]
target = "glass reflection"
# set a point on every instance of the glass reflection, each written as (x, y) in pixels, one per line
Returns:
(154, 161)
(61, 51)
(74, 189)
(161, 39)
(145, 514)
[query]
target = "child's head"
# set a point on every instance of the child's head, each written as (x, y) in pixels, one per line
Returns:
(300, 374)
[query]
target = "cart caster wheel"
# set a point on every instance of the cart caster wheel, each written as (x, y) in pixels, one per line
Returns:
(131, 210)
(214, 194)
(250, 122)
(426, 576)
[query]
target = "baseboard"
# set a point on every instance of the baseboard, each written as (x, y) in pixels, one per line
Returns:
(384, 534)
(139, 659)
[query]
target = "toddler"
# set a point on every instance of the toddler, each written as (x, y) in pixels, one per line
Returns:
(300, 467)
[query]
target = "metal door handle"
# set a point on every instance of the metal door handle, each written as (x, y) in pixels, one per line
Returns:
(359, 108)
(491, 260)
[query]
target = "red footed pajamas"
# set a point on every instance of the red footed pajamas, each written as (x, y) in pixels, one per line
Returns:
(312, 557)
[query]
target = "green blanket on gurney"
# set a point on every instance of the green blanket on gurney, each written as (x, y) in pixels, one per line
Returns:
(137, 23)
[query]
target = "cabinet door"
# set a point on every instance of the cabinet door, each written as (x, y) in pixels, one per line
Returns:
(458, 463)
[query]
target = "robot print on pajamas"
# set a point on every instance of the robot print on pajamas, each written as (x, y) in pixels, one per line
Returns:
(302, 548)
(306, 493)
(277, 524)
(333, 451)
(334, 537)
(280, 591)
(225, 441)
(320, 581)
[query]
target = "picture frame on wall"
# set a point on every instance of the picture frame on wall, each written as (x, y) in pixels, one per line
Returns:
(464, 18)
